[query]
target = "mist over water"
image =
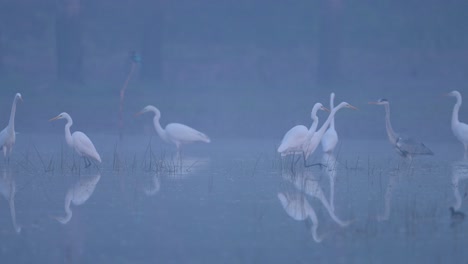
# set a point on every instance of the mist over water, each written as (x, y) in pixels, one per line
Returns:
(243, 73)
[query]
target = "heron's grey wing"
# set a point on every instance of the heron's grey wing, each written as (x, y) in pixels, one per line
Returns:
(408, 146)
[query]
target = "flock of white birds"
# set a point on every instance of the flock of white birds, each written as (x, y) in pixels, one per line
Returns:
(298, 140)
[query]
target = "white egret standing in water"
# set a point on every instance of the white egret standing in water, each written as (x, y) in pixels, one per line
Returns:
(405, 146)
(8, 134)
(294, 140)
(460, 130)
(317, 137)
(330, 138)
(175, 133)
(79, 141)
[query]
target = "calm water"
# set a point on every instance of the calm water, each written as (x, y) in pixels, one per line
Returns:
(221, 204)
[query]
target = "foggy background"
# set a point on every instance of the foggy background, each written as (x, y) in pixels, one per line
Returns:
(234, 69)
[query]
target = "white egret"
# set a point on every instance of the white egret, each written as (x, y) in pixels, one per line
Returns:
(8, 134)
(312, 145)
(79, 141)
(79, 193)
(175, 133)
(405, 146)
(293, 141)
(460, 130)
(299, 209)
(330, 138)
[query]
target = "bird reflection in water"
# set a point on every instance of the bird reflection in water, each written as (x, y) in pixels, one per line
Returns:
(78, 194)
(330, 169)
(8, 191)
(297, 207)
(306, 183)
(155, 185)
(394, 176)
(459, 172)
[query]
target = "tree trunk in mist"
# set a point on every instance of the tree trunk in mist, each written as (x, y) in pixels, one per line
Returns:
(69, 46)
(330, 36)
(152, 46)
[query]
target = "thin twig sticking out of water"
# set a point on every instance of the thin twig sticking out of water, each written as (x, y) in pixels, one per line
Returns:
(122, 97)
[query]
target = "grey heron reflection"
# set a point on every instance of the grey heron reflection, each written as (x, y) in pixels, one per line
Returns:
(8, 191)
(393, 179)
(78, 194)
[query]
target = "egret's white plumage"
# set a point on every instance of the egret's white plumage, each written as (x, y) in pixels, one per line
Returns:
(175, 133)
(8, 135)
(330, 138)
(79, 141)
(293, 141)
(460, 130)
(317, 136)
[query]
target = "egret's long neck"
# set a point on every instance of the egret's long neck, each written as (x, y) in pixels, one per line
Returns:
(391, 134)
(313, 127)
(161, 132)
(456, 109)
(68, 136)
(68, 211)
(325, 125)
(11, 123)
(332, 105)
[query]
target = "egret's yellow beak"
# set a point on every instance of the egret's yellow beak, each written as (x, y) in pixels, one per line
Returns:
(325, 109)
(55, 118)
(352, 107)
(139, 113)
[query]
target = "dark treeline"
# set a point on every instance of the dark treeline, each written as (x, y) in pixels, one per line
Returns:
(78, 29)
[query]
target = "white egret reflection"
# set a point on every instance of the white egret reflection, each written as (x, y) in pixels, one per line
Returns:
(306, 183)
(78, 194)
(459, 173)
(330, 169)
(154, 186)
(297, 207)
(8, 191)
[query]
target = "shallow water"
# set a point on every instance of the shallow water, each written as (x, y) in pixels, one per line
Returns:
(221, 205)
